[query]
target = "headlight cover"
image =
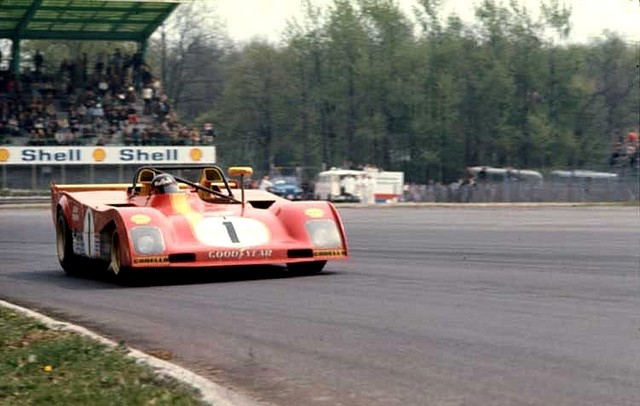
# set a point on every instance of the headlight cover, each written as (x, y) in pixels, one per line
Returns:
(147, 240)
(323, 233)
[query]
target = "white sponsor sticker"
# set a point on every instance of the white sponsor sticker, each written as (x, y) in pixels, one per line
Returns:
(232, 232)
(88, 233)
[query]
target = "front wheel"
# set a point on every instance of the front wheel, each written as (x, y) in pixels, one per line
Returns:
(115, 265)
(306, 268)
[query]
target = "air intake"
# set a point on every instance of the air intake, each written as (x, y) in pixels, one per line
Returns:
(177, 258)
(303, 253)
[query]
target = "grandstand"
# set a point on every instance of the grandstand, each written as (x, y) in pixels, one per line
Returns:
(114, 99)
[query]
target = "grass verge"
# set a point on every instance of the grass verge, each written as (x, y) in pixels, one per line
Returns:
(40, 365)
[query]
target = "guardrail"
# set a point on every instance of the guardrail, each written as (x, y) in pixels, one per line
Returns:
(24, 200)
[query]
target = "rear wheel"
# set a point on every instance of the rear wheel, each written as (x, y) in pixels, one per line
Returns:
(70, 262)
(306, 268)
(115, 265)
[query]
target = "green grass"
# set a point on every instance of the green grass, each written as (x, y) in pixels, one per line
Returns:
(44, 366)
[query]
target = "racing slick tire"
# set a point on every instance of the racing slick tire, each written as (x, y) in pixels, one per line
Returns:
(70, 262)
(120, 272)
(306, 268)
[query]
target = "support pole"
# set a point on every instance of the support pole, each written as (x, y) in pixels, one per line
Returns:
(15, 56)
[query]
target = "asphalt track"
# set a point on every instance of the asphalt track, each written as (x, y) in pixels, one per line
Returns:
(437, 306)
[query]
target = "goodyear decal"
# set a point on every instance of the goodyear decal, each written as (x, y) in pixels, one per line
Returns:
(314, 212)
(91, 243)
(241, 253)
(151, 261)
(140, 219)
(329, 253)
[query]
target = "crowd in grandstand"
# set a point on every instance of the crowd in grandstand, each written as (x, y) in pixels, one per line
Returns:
(115, 100)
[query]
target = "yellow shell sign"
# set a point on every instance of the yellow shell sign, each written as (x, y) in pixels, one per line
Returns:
(196, 154)
(314, 212)
(99, 154)
(4, 155)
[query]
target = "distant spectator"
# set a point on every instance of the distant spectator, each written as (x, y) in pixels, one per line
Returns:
(117, 62)
(208, 134)
(162, 108)
(265, 183)
(39, 62)
(130, 96)
(145, 76)
(147, 97)
(99, 66)
(194, 136)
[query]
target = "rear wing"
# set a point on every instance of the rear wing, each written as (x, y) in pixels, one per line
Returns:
(55, 188)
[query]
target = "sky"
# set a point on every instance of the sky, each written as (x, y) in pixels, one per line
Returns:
(246, 19)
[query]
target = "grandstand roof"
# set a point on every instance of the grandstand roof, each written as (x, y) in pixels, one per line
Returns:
(115, 20)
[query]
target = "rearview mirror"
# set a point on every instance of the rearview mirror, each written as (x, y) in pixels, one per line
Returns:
(240, 170)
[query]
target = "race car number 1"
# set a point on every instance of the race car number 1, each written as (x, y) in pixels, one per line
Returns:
(232, 231)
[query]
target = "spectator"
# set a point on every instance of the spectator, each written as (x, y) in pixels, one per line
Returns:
(147, 97)
(194, 135)
(162, 108)
(145, 76)
(265, 183)
(39, 62)
(99, 66)
(130, 96)
(208, 134)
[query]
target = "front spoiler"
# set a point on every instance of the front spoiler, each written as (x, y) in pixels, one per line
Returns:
(237, 257)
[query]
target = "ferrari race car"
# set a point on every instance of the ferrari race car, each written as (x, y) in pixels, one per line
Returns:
(164, 220)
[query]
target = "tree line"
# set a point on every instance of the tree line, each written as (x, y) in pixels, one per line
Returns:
(361, 82)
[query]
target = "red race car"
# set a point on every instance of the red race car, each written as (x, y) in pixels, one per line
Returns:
(165, 220)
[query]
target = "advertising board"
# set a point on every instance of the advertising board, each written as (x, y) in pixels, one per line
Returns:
(103, 155)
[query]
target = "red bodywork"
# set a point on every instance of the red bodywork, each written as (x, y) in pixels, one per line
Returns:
(265, 229)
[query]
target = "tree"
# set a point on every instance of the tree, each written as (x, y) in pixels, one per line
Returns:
(190, 50)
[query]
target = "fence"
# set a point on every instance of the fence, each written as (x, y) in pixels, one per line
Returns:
(570, 189)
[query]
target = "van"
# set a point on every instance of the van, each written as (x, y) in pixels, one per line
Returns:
(340, 185)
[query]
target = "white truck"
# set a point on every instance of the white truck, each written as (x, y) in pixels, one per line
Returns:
(365, 186)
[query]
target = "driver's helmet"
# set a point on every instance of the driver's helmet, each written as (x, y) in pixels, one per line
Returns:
(164, 183)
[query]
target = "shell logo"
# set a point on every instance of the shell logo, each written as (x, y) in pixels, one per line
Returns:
(314, 212)
(99, 154)
(195, 154)
(4, 155)
(140, 219)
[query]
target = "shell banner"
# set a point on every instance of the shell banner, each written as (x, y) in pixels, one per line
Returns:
(72, 155)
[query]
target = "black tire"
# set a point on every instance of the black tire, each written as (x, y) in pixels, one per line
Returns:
(306, 268)
(120, 272)
(70, 262)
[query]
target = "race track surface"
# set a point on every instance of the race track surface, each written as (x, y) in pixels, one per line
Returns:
(437, 306)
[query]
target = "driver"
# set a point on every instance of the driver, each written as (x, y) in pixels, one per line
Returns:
(164, 184)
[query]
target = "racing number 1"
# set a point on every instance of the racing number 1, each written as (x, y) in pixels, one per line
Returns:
(232, 231)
